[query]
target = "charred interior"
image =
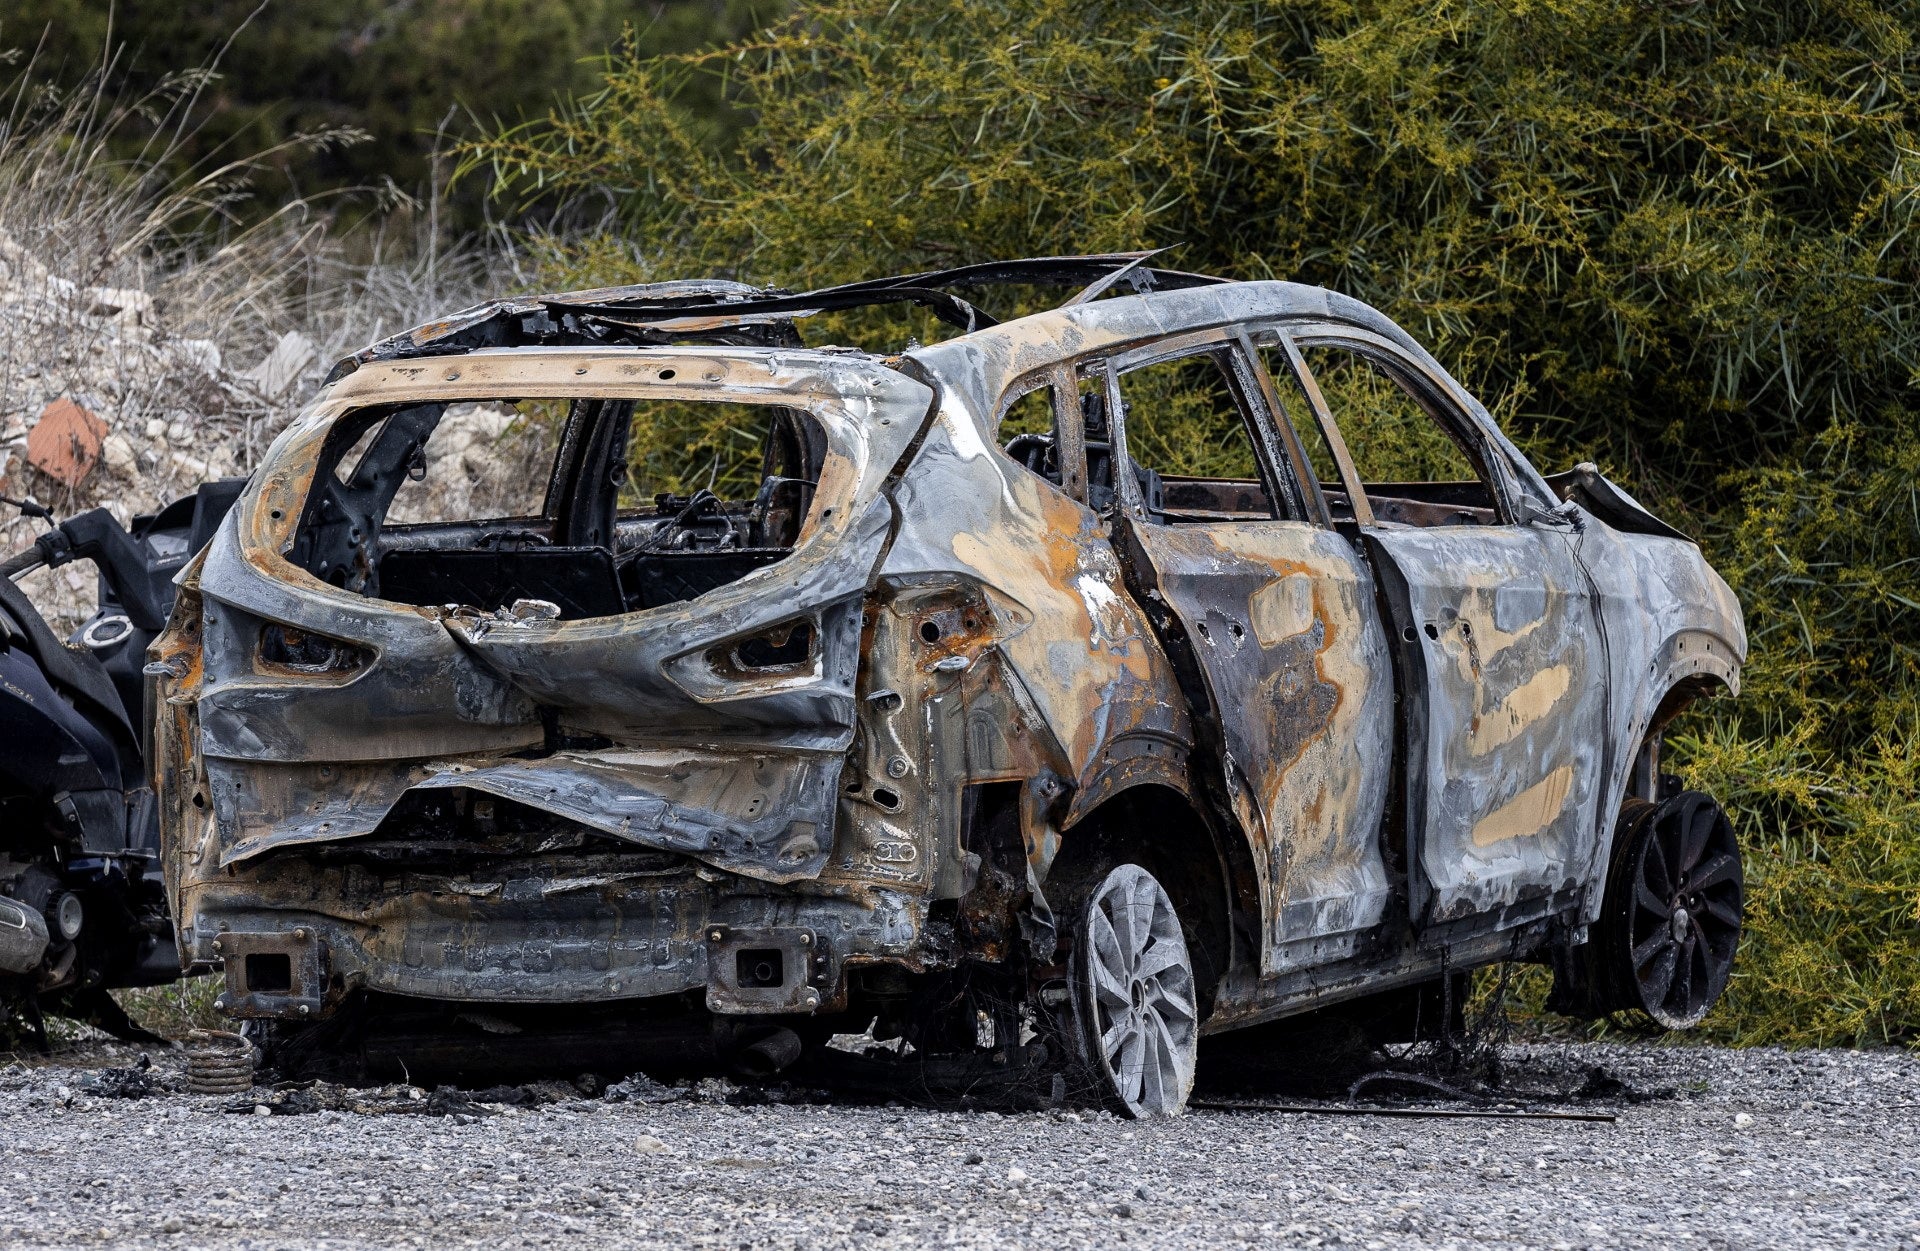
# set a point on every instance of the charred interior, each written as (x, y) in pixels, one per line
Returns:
(597, 541)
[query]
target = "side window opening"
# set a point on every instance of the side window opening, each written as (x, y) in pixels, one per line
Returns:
(1029, 413)
(1029, 431)
(1297, 413)
(594, 506)
(1189, 436)
(1026, 432)
(1414, 470)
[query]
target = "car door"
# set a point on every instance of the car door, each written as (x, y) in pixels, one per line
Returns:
(1499, 644)
(1270, 615)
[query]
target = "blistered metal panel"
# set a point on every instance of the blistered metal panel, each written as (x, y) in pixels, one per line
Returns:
(1511, 745)
(1281, 617)
(1077, 649)
(1670, 619)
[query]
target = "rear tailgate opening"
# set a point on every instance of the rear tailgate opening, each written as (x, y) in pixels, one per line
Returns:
(570, 508)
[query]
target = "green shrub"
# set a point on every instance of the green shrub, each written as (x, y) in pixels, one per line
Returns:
(1817, 759)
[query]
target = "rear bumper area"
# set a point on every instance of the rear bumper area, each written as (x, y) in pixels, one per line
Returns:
(733, 809)
(574, 939)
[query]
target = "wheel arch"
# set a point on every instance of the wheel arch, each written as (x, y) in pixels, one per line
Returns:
(1209, 872)
(1691, 665)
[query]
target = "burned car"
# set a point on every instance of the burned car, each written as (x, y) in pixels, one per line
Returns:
(1183, 657)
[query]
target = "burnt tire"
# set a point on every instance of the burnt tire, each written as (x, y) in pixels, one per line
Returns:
(1671, 922)
(1135, 1024)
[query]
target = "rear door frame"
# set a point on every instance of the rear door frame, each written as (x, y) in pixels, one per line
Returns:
(1326, 882)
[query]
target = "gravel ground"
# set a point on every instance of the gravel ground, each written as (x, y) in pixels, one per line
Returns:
(1753, 1149)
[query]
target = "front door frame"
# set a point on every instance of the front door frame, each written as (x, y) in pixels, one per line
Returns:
(1433, 394)
(1310, 783)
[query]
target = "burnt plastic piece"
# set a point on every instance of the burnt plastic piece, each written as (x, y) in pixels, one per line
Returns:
(581, 580)
(1586, 486)
(651, 579)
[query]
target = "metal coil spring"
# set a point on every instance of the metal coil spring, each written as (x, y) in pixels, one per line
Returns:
(219, 1063)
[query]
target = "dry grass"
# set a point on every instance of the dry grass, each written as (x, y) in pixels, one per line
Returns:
(128, 285)
(176, 1010)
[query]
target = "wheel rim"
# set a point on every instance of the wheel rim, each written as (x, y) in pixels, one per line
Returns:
(1686, 909)
(1139, 986)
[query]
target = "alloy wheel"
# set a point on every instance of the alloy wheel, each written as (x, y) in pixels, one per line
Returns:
(1684, 915)
(1136, 992)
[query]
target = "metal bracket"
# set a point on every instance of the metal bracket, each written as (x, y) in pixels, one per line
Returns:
(755, 971)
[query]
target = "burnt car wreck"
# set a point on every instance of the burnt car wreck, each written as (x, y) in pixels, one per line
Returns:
(1064, 688)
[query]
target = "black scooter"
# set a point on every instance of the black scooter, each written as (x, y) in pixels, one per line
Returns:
(81, 905)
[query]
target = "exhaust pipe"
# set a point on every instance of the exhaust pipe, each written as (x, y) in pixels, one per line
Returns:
(768, 1054)
(23, 937)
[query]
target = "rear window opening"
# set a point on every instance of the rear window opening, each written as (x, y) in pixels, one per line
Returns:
(596, 506)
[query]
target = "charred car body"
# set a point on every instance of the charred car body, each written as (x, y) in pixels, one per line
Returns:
(969, 721)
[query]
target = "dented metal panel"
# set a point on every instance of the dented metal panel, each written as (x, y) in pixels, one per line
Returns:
(1281, 618)
(736, 769)
(1079, 653)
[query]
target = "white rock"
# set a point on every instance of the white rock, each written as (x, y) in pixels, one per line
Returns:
(200, 354)
(283, 366)
(1016, 1174)
(128, 306)
(156, 430)
(188, 466)
(117, 451)
(647, 1144)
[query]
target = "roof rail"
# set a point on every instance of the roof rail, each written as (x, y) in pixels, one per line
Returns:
(655, 314)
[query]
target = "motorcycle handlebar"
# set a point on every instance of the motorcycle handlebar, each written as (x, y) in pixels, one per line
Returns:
(22, 562)
(141, 589)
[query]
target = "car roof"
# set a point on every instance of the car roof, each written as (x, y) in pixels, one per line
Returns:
(714, 310)
(979, 364)
(983, 365)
